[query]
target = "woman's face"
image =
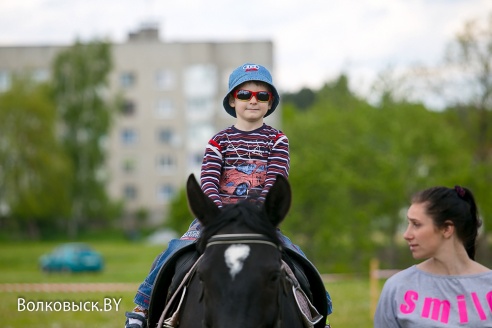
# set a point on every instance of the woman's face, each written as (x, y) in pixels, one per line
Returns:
(423, 237)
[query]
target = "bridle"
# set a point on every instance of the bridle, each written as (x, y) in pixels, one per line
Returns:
(241, 238)
(249, 238)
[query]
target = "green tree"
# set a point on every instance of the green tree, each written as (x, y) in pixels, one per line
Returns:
(80, 80)
(34, 172)
(353, 169)
(469, 57)
(461, 87)
(301, 100)
(180, 216)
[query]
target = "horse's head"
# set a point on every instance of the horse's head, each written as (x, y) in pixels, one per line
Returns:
(275, 208)
(240, 271)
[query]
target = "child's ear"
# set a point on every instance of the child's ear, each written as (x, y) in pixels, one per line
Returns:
(232, 102)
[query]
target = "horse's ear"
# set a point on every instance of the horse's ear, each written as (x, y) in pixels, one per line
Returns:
(278, 199)
(200, 204)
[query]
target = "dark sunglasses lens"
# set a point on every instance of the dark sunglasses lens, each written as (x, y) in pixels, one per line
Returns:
(243, 95)
(263, 96)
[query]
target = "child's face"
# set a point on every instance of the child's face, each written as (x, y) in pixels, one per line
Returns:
(254, 109)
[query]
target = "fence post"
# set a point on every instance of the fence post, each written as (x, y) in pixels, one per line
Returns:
(373, 285)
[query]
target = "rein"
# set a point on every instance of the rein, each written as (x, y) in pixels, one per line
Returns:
(249, 238)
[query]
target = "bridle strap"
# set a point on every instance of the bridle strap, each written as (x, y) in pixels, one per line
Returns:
(241, 238)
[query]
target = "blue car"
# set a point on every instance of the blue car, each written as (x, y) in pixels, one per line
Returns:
(72, 257)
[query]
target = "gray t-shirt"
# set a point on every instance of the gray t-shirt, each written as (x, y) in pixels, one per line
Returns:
(416, 299)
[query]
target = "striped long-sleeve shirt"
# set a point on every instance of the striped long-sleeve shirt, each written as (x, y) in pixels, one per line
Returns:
(243, 164)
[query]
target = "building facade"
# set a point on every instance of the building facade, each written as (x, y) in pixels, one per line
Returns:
(172, 104)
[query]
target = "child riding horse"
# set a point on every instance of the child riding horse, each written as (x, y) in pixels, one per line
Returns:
(240, 279)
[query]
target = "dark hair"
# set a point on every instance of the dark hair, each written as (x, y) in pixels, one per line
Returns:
(456, 205)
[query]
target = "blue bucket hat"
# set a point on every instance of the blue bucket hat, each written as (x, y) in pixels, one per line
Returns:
(250, 72)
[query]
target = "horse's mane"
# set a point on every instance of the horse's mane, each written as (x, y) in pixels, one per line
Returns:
(244, 213)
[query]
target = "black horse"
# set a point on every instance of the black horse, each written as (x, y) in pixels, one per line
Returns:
(240, 279)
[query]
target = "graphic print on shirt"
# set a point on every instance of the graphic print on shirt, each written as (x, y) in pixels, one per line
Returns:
(245, 178)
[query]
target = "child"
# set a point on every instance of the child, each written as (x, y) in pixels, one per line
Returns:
(240, 162)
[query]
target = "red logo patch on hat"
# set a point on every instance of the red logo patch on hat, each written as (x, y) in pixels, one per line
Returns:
(251, 68)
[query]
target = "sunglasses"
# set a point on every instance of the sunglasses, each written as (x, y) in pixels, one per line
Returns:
(245, 95)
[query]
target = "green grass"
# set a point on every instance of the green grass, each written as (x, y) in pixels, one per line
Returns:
(124, 263)
(351, 304)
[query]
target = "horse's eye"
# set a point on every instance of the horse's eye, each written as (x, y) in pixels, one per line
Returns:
(199, 275)
(275, 276)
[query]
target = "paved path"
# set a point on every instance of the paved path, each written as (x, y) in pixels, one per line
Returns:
(73, 287)
(107, 287)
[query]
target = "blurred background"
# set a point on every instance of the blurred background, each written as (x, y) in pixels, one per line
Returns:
(106, 109)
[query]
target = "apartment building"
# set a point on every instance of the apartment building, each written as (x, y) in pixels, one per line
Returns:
(172, 95)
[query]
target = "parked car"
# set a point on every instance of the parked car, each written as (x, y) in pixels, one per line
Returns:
(72, 257)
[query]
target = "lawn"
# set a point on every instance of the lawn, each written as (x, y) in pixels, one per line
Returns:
(124, 263)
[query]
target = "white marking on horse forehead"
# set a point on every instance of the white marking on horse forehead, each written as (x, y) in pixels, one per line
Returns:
(234, 258)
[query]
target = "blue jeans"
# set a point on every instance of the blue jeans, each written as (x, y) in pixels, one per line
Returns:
(142, 297)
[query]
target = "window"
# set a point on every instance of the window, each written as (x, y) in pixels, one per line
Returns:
(165, 136)
(127, 80)
(128, 137)
(129, 165)
(200, 107)
(4, 81)
(166, 164)
(199, 135)
(41, 75)
(200, 81)
(195, 159)
(164, 79)
(128, 108)
(164, 108)
(200, 88)
(165, 193)
(130, 192)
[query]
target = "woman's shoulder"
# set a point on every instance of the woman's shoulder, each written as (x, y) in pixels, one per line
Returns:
(412, 270)
(402, 275)
(480, 268)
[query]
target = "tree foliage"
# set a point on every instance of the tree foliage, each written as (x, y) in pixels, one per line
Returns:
(80, 80)
(302, 99)
(353, 169)
(34, 171)
(180, 216)
(469, 57)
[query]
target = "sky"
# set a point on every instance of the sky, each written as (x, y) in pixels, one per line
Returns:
(314, 40)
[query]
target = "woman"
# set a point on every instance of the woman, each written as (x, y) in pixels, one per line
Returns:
(448, 289)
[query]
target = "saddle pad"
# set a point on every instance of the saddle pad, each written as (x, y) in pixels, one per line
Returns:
(170, 275)
(309, 313)
(316, 284)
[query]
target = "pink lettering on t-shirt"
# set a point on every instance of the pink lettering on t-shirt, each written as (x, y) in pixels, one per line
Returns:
(489, 300)
(436, 304)
(478, 306)
(409, 298)
(462, 309)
